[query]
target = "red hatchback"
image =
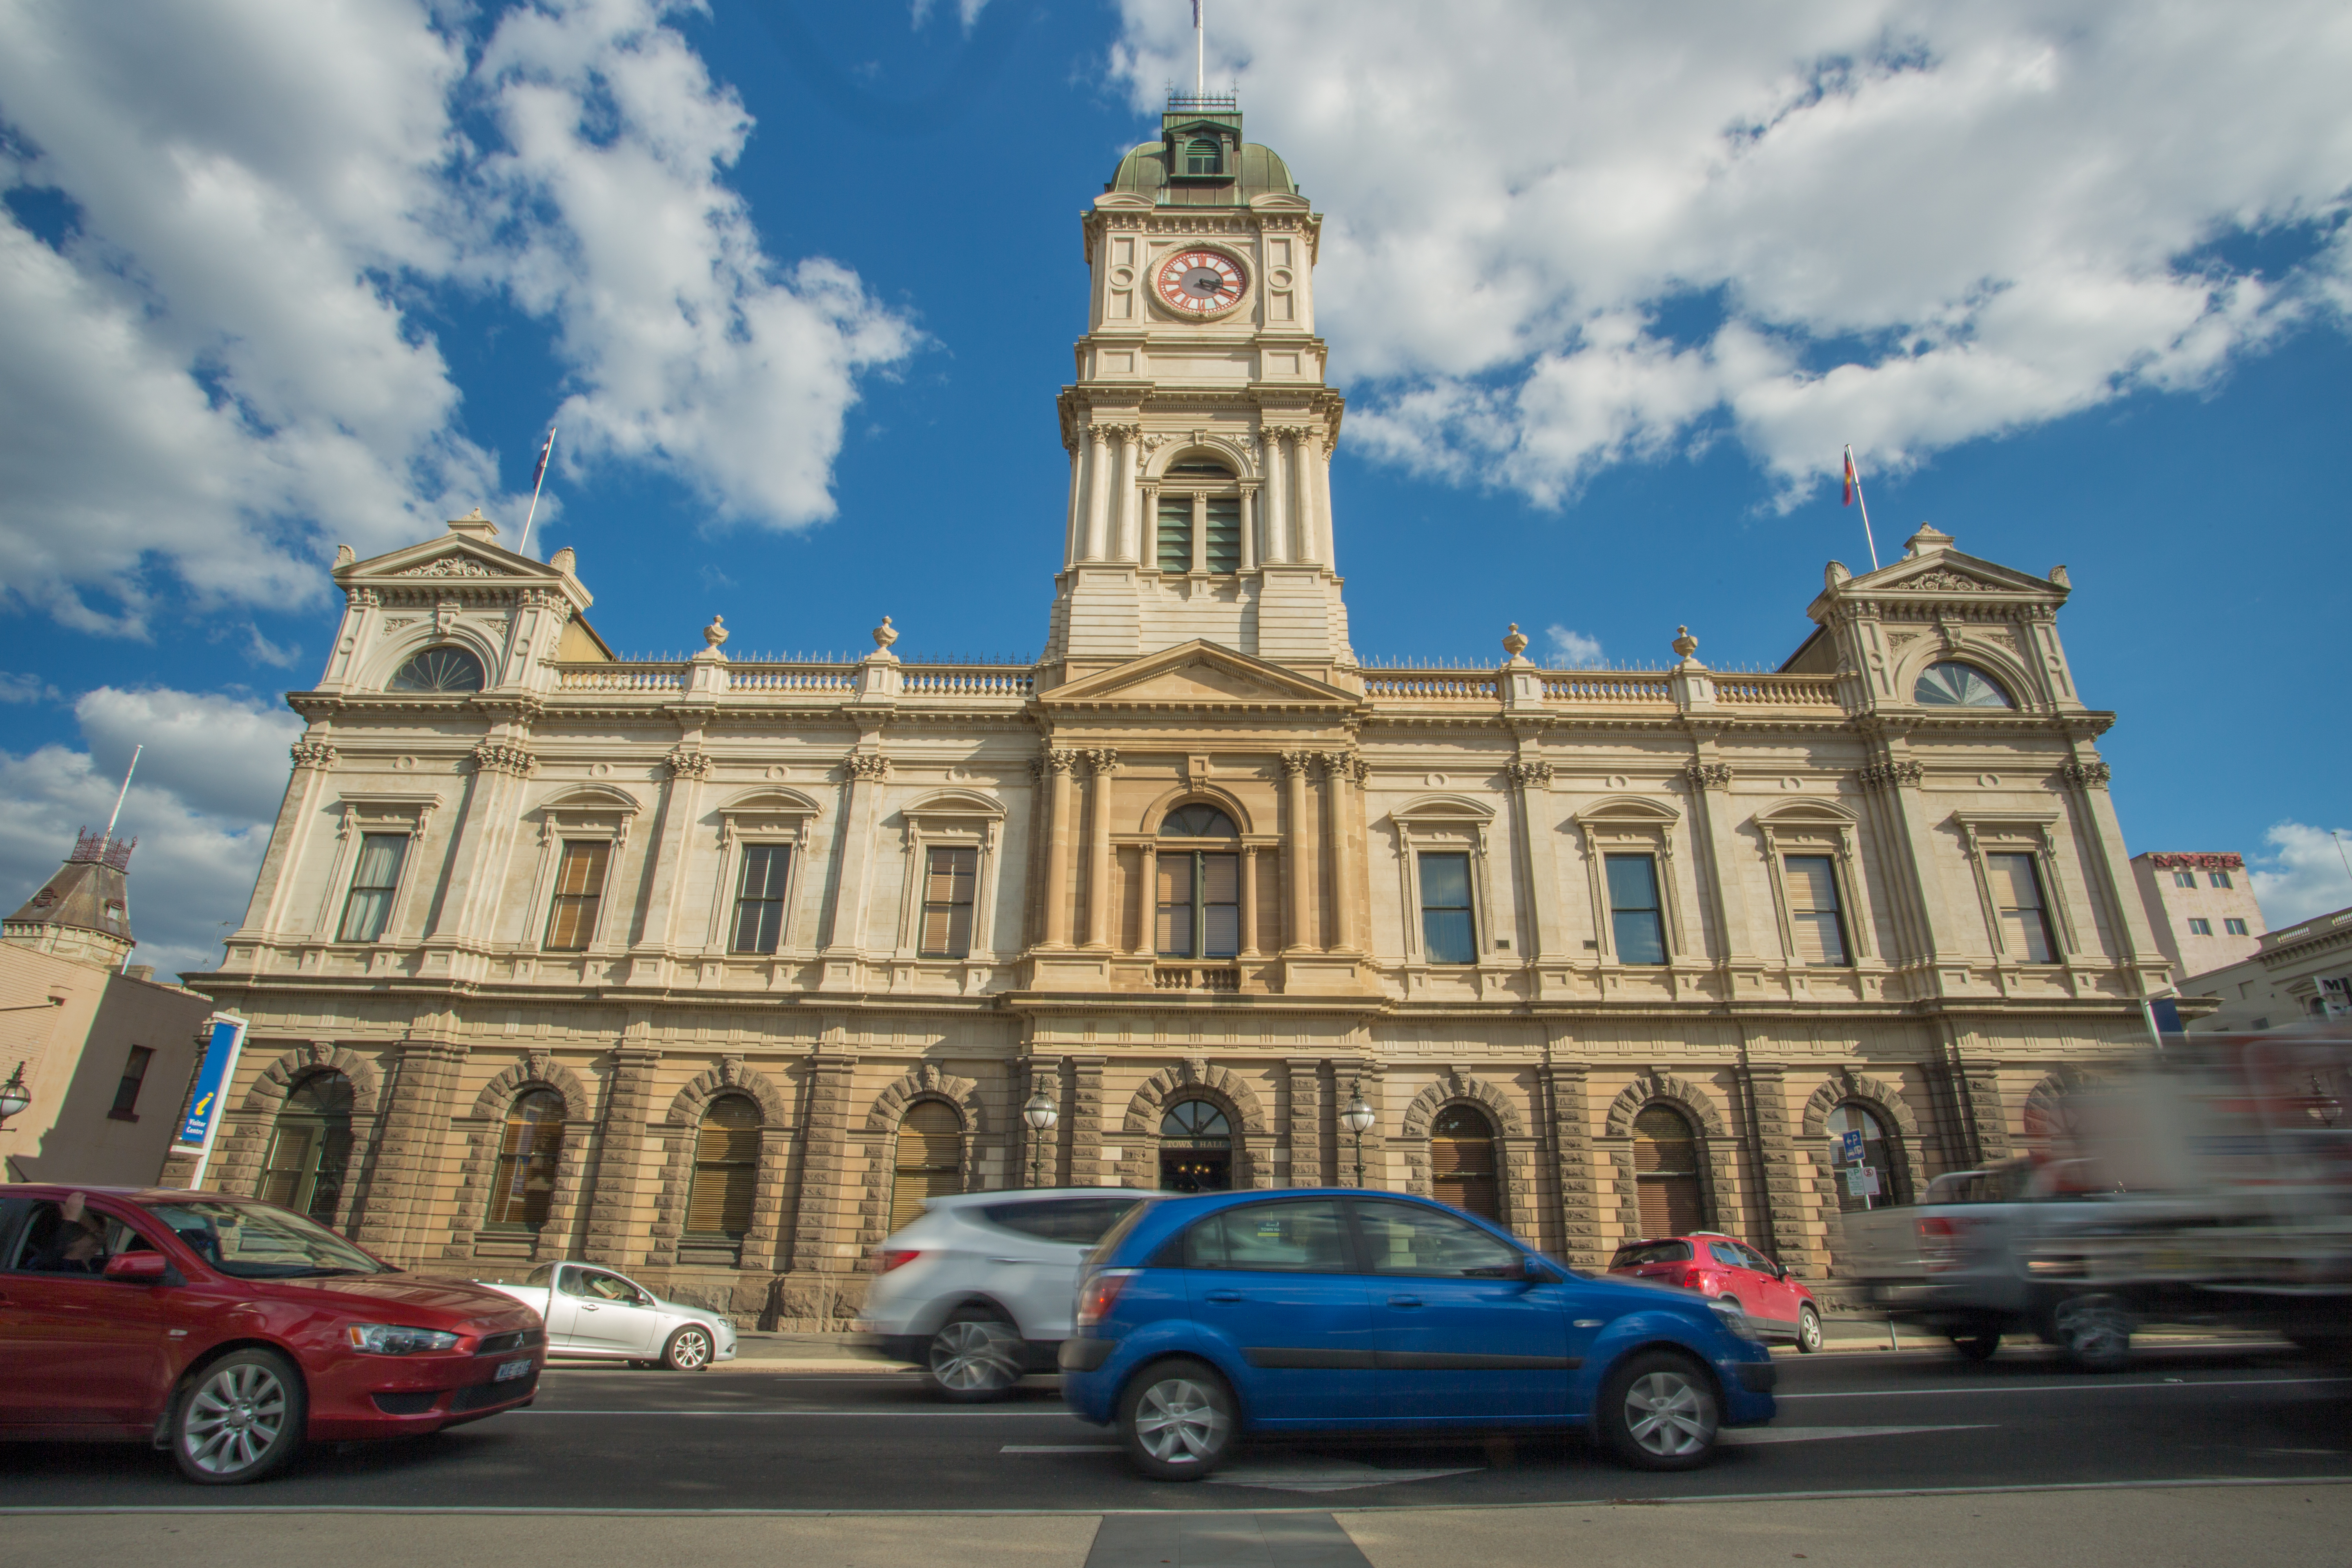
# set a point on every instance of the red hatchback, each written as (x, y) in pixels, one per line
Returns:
(1715, 1265)
(232, 1331)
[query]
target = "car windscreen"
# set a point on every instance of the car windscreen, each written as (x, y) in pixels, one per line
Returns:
(1634, 1253)
(1082, 1222)
(254, 1241)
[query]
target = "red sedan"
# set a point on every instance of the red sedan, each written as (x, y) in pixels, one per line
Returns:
(234, 1330)
(1777, 1305)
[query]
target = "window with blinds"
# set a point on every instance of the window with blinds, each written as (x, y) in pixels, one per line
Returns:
(1637, 926)
(1814, 916)
(525, 1178)
(930, 1160)
(949, 880)
(1223, 531)
(726, 1169)
(1448, 935)
(1462, 1169)
(578, 890)
(1665, 1172)
(759, 898)
(2017, 893)
(373, 881)
(1175, 534)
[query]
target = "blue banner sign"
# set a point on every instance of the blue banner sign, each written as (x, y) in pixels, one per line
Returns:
(213, 1081)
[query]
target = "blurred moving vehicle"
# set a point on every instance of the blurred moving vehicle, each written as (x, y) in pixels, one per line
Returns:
(231, 1331)
(592, 1311)
(1201, 1319)
(2208, 1184)
(977, 1291)
(1713, 1264)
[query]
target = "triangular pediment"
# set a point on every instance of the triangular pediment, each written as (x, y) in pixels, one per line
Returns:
(1949, 572)
(1198, 675)
(449, 555)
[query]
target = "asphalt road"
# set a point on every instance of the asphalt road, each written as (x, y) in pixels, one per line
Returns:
(602, 1439)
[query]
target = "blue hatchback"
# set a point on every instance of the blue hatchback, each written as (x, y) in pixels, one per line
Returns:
(1200, 1319)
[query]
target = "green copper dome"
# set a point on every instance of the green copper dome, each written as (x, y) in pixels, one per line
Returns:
(1201, 160)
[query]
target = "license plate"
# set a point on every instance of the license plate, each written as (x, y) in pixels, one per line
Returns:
(510, 1370)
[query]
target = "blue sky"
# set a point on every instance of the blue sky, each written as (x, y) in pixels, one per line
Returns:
(801, 283)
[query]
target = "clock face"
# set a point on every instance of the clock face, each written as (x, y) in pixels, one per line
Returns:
(1200, 282)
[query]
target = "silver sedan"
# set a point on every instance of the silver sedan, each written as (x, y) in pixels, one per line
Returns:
(592, 1311)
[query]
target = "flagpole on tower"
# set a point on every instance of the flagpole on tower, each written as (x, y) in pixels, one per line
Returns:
(538, 483)
(1853, 494)
(1200, 55)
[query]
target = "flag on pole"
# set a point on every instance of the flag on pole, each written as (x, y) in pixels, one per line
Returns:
(539, 472)
(1852, 479)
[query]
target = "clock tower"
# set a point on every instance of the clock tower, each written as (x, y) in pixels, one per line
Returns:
(1200, 428)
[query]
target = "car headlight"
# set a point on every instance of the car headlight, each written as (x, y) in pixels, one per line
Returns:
(392, 1339)
(1734, 1319)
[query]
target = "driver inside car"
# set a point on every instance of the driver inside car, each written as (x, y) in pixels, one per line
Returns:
(75, 1242)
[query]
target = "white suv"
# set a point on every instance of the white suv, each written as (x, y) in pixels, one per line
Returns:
(978, 1290)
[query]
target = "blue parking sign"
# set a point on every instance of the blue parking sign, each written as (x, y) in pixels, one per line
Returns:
(1850, 1147)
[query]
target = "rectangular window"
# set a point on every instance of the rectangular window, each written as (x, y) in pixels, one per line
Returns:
(1637, 921)
(1175, 534)
(1174, 936)
(1813, 912)
(2218, 878)
(579, 889)
(948, 885)
(2234, 928)
(2184, 879)
(2017, 893)
(1448, 935)
(1200, 905)
(2200, 928)
(759, 898)
(373, 881)
(1221, 905)
(1225, 533)
(126, 1093)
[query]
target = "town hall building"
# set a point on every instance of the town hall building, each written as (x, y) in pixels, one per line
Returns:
(714, 970)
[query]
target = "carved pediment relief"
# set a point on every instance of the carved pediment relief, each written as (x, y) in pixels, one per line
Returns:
(1198, 674)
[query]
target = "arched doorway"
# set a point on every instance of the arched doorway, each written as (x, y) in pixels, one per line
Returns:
(1665, 1172)
(1196, 1149)
(930, 1160)
(1462, 1164)
(1877, 1180)
(311, 1148)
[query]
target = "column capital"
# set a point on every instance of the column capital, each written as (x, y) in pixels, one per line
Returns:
(1101, 762)
(1529, 774)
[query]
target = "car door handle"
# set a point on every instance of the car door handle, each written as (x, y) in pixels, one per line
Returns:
(1013, 1260)
(1404, 1300)
(589, 1307)
(1222, 1296)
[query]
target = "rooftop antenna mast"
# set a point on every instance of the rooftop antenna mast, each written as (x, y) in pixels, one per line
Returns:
(124, 792)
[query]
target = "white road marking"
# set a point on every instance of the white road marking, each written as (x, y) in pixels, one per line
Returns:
(1305, 1475)
(2068, 1387)
(1059, 1448)
(1748, 1437)
(933, 1414)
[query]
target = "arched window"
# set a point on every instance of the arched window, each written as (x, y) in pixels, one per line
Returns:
(1958, 686)
(930, 1160)
(1461, 1168)
(1196, 1149)
(1200, 503)
(527, 1155)
(309, 1148)
(1199, 892)
(726, 1169)
(1877, 1180)
(1202, 155)
(1665, 1172)
(443, 668)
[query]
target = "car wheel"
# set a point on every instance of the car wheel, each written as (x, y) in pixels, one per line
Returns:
(1178, 1419)
(1978, 1344)
(688, 1349)
(975, 1356)
(239, 1418)
(2093, 1332)
(1809, 1330)
(1658, 1411)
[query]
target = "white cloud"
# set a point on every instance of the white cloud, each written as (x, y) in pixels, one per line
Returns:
(2301, 874)
(1562, 238)
(1572, 650)
(201, 806)
(19, 688)
(222, 369)
(967, 11)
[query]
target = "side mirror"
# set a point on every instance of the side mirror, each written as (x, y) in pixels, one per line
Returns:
(1535, 1270)
(138, 1267)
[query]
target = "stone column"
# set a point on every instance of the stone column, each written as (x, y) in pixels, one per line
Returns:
(825, 1209)
(1074, 532)
(500, 763)
(665, 882)
(395, 1212)
(281, 863)
(1531, 796)
(1339, 783)
(1083, 1116)
(1099, 492)
(864, 774)
(1250, 551)
(1305, 544)
(1571, 1150)
(1293, 852)
(1056, 891)
(1277, 533)
(1100, 766)
(1147, 900)
(1309, 1110)
(1326, 535)
(1723, 853)
(1125, 534)
(1249, 902)
(1790, 1201)
(614, 1231)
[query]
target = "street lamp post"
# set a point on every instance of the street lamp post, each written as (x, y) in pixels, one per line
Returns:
(1041, 1115)
(14, 1095)
(1359, 1119)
